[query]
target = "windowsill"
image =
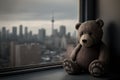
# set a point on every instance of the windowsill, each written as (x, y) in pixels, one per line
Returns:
(52, 74)
(29, 68)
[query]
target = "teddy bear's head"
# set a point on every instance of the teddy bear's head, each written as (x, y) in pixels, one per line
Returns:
(90, 32)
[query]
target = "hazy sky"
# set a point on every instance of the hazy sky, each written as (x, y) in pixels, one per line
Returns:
(37, 14)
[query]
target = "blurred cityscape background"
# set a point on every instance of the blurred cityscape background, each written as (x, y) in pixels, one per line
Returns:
(36, 31)
(25, 48)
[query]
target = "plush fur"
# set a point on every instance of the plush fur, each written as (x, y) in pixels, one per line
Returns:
(90, 54)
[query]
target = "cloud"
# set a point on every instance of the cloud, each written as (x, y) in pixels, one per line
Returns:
(37, 9)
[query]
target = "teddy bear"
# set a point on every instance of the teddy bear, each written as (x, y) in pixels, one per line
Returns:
(90, 53)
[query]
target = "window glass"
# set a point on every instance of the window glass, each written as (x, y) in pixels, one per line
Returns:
(36, 31)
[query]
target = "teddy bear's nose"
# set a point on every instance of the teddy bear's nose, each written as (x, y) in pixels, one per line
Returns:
(84, 41)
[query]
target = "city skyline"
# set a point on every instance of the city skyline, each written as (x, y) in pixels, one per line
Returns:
(35, 29)
(26, 28)
(14, 49)
(38, 13)
(23, 34)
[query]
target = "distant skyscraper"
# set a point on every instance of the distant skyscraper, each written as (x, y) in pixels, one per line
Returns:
(8, 35)
(26, 33)
(30, 33)
(74, 35)
(14, 33)
(52, 23)
(63, 42)
(62, 30)
(4, 34)
(57, 41)
(55, 32)
(30, 36)
(14, 30)
(68, 34)
(21, 31)
(26, 30)
(41, 35)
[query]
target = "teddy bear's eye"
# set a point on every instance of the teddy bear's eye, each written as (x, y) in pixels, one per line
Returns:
(81, 33)
(90, 33)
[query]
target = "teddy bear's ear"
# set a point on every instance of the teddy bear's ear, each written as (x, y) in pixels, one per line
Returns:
(100, 22)
(77, 25)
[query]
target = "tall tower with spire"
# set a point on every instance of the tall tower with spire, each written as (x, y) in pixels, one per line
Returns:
(52, 22)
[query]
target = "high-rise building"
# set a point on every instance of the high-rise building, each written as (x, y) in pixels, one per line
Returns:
(30, 33)
(4, 54)
(68, 34)
(21, 31)
(57, 42)
(26, 33)
(55, 32)
(25, 54)
(41, 35)
(63, 42)
(62, 30)
(12, 54)
(8, 35)
(52, 23)
(30, 36)
(4, 34)
(14, 33)
(26, 30)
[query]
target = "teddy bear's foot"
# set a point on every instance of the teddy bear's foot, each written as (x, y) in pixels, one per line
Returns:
(96, 68)
(70, 67)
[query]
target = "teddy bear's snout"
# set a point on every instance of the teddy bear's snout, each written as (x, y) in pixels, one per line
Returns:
(84, 41)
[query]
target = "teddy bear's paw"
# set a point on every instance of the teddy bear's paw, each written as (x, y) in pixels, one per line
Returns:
(96, 68)
(70, 67)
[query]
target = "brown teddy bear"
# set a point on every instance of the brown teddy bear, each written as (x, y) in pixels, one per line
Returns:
(90, 54)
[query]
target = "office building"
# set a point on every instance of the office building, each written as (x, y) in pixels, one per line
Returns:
(14, 33)
(42, 35)
(4, 34)
(25, 54)
(21, 31)
(62, 30)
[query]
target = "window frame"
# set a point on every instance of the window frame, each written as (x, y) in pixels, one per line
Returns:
(87, 10)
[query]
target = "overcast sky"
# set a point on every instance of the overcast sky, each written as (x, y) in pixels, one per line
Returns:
(36, 13)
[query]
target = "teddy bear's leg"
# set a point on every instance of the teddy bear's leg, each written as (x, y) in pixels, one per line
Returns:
(96, 68)
(71, 67)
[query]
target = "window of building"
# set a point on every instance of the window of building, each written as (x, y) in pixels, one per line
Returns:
(36, 31)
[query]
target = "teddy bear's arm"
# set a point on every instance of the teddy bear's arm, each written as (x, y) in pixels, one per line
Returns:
(104, 55)
(70, 65)
(74, 52)
(99, 66)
